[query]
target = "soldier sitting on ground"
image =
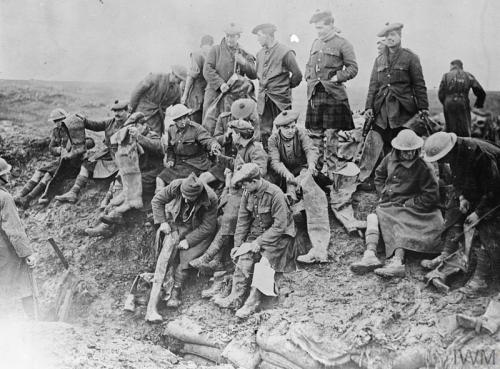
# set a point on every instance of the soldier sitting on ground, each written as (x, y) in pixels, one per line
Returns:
(60, 146)
(407, 214)
(189, 208)
(103, 157)
(264, 233)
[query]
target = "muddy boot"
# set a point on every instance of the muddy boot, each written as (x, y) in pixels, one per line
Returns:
(251, 304)
(395, 268)
(216, 287)
(28, 187)
(238, 290)
(175, 298)
(368, 263)
(24, 202)
(113, 217)
(489, 321)
(440, 285)
(478, 282)
(102, 229)
(432, 263)
(72, 195)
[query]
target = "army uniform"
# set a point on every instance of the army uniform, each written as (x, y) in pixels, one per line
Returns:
(454, 95)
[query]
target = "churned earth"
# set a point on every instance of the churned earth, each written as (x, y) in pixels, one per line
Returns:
(375, 319)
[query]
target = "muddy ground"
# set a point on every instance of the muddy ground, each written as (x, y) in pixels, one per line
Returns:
(376, 317)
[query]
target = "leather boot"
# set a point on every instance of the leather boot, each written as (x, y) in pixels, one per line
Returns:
(238, 290)
(28, 187)
(24, 202)
(251, 304)
(368, 263)
(489, 321)
(113, 217)
(72, 195)
(449, 247)
(216, 287)
(478, 281)
(432, 263)
(395, 268)
(175, 298)
(102, 229)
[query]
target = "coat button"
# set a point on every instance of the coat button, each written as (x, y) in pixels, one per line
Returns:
(388, 85)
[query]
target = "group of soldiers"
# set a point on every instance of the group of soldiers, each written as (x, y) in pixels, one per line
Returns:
(223, 166)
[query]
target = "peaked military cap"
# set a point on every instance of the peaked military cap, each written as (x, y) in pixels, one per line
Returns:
(264, 27)
(286, 117)
(321, 15)
(233, 29)
(390, 27)
(119, 105)
(241, 125)
(242, 108)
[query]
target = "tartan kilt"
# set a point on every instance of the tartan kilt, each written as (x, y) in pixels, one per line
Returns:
(324, 112)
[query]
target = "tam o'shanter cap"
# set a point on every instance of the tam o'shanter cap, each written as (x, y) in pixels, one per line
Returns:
(286, 117)
(320, 15)
(241, 125)
(264, 27)
(233, 29)
(390, 27)
(179, 71)
(242, 108)
(119, 105)
(247, 172)
(191, 187)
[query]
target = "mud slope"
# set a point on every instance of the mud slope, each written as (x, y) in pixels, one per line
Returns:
(372, 316)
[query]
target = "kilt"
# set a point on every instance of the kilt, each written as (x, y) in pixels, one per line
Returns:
(324, 112)
(181, 170)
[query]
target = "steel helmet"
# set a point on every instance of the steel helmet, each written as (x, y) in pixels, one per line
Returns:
(439, 145)
(4, 167)
(177, 111)
(407, 140)
(57, 114)
(180, 71)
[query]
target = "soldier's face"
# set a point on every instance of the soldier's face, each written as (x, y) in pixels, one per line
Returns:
(381, 46)
(121, 114)
(251, 186)
(262, 38)
(289, 130)
(232, 40)
(393, 39)
(181, 122)
(322, 28)
(408, 155)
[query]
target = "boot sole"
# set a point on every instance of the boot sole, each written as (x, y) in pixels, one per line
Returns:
(365, 269)
(390, 275)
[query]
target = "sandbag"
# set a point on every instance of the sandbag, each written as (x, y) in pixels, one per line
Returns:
(267, 365)
(186, 330)
(282, 346)
(198, 360)
(241, 356)
(209, 353)
(278, 361)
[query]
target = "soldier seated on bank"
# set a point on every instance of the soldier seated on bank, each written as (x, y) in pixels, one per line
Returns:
(187, 148)
(60, 146)
(138, 156)
(407, 215)
(291, 150)
(264, 235)
(103, 157)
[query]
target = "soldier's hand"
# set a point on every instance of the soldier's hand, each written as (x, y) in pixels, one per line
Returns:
(31, 260)
(369, 114)
(290, 178)
(240, 59)
(472, 219)
(424, 112)
(169, 164)
(183, 245)
(215, 149)
(183, 99)
(165, 228)
(334, 78)
(255, 247)
(464, 205)
(224, 87)
(312, 170)
(133, 131)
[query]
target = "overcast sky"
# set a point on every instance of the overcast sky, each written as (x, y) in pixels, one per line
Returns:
(114, 40)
